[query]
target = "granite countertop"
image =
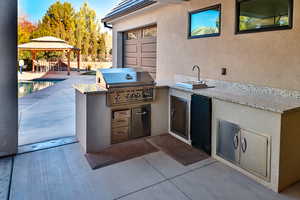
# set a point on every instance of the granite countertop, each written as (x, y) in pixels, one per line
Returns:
(90, 89)
(96, 89)
(268, 102)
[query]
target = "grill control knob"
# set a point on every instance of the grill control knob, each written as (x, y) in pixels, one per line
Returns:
(117, 98)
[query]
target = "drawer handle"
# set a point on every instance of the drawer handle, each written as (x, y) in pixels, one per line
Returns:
(236, 142)
(172, 114)
(141, 113)
(121, 120)
(244, 145)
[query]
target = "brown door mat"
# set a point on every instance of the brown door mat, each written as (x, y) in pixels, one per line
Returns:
(120, 152)
(178, 150)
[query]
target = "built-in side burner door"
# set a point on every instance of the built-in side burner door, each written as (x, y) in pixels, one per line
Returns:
(141, 122)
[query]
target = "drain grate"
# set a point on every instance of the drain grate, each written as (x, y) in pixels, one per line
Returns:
(46, 145)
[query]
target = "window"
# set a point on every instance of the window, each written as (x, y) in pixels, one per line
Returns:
(149, 32)
(205, 22)
(263, 15)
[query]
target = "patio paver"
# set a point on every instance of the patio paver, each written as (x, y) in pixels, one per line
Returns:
(5, 173)
(162, 191)
(63, 173)
(218, 181)
(169, 167)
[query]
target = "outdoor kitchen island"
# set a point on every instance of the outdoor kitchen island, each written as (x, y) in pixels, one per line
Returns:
(128, 106)
(253, 129)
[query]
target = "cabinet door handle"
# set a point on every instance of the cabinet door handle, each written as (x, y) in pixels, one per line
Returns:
(244, 145)
(172, 114)
(141, 113)
(236, 142)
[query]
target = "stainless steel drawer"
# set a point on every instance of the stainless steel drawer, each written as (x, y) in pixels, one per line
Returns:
(121, 114)
(119, 135)
(121, 122)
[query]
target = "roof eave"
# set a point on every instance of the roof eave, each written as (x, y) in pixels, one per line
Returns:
(128, 11)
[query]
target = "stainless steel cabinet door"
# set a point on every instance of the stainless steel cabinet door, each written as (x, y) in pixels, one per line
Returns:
(228, 141)
(254, 153)
(141, 122)
(179, 116)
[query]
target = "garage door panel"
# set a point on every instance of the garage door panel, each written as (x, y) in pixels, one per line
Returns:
(146, 69)
(131, 55)
(148, 40)
(131, 48)
(140, 52)
(148, 48)
(149, 62)
(130, 61)
(131, 42)
(149, 55)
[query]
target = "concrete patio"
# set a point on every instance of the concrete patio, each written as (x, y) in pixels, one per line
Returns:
(49, 113)
(63, 173)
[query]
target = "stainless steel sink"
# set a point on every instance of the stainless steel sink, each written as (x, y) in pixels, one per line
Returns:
(193, 85)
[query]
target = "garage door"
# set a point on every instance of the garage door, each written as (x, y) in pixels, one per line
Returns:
(140, 49)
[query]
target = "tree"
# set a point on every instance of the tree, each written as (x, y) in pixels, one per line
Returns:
(101, 49)
(80, 29)
(25, 30)
(87, 31)
(59, 21)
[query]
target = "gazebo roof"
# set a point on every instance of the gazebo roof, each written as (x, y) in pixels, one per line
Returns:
(47, 43)
(48, 39)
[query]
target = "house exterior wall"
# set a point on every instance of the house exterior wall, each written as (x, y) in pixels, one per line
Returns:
(266, 58)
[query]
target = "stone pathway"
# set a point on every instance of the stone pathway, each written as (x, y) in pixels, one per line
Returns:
(50, 113)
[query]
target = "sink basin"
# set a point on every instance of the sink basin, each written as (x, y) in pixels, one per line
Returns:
(192, 85)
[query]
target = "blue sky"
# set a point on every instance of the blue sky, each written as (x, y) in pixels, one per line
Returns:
(35, 9)
(206, 19)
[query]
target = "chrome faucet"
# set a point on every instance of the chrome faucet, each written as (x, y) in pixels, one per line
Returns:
(197, 67)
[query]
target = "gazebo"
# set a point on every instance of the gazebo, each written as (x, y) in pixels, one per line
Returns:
(49, 43)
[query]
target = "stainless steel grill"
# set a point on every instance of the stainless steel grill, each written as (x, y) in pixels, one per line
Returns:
(126, 86)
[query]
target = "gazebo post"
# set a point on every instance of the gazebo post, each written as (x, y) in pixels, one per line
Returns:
(69, 63)
(78, 61)
(33, 57)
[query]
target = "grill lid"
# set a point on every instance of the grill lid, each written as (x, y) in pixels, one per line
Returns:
(123, 77)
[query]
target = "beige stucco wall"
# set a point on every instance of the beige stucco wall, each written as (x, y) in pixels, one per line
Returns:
(266, 58)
